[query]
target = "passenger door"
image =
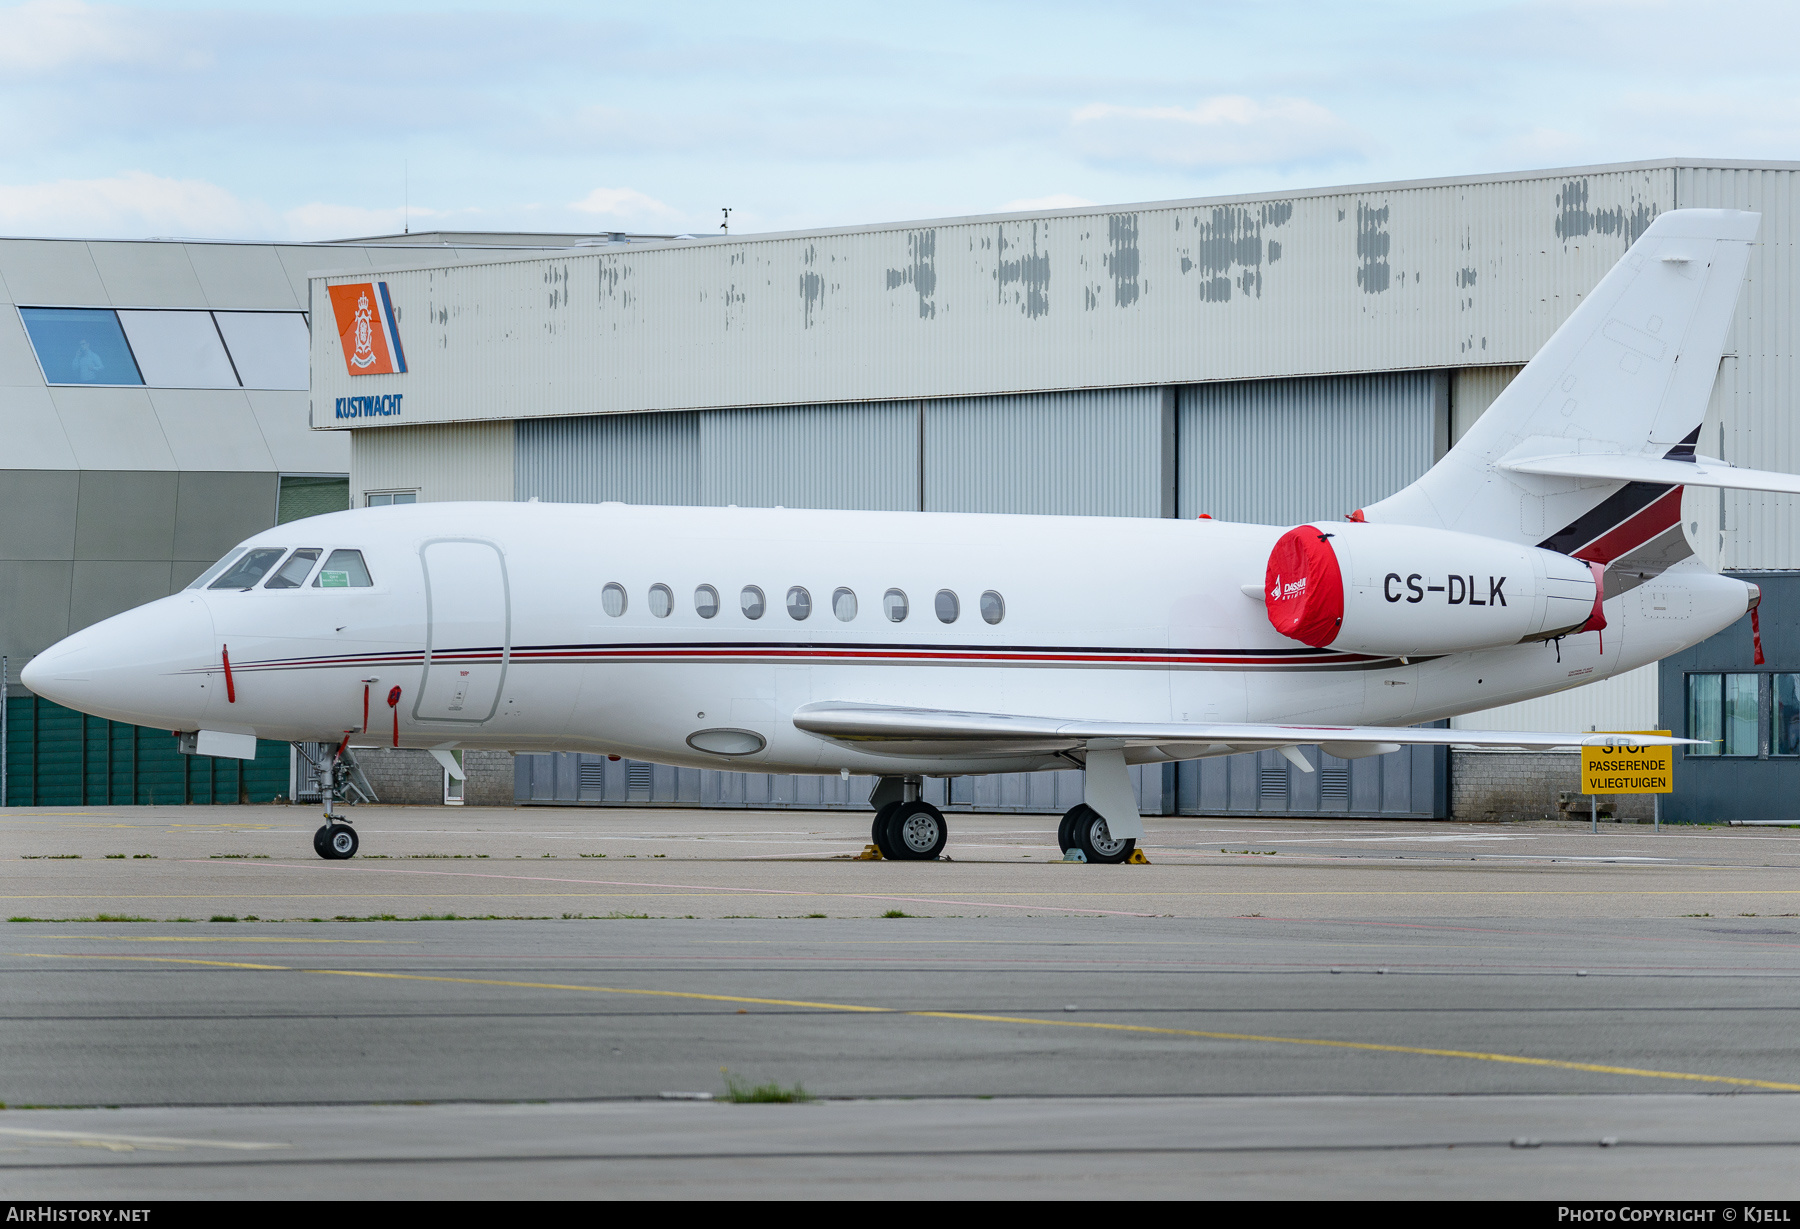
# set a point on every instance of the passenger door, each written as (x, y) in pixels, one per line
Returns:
(468, 637)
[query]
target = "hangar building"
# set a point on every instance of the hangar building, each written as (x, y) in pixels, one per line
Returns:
(153, 412)
(1271, 358)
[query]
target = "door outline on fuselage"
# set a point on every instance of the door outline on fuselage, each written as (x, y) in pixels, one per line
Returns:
(431, 629)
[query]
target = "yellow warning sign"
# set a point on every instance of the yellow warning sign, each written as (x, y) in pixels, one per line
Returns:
(1627, 769)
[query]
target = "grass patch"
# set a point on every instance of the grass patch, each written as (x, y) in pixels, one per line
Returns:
(138, 856)
(50, 857)
(223, 917)
(1261, 853)
(111, 856)
(593, 855)
(896, 913)
(226, 857)
(742, 1092)
(119, 917)
(815, 915)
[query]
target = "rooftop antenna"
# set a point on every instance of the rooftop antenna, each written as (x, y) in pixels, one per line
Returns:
(406, 197)
(726, 224)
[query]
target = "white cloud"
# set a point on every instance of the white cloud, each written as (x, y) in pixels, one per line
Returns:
(1229, 130)
(132, 205)
(1056, 200)
(625, 205)
(46, 35)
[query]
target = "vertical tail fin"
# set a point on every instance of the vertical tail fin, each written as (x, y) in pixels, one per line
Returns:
(1629, 372)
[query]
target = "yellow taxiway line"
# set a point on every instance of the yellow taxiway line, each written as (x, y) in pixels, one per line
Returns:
(1522, 1060)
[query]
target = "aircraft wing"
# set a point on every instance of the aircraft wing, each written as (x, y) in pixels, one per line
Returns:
(1706, 472)
(898, 731)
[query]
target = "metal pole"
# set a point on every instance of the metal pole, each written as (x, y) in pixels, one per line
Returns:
(3, 707)
(1594, 812)
(1656, 822)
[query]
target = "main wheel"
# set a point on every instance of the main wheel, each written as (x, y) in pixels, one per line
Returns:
(1065, 830)
(878, 831)
(1090, 835)
(916, 832)
(336, 842)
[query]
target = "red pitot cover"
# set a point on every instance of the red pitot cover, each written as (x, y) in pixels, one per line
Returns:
(1303, 588)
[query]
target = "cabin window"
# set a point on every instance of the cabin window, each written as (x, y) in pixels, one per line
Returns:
(706, 601)
(613, 600)
(247, 571)
(752, 602)
(211, 574)
(893, 605)
(344, 569)
(799, 603)
(947, 606)
(293, 573)
(843, 605)
(662, 601)
(993, 607)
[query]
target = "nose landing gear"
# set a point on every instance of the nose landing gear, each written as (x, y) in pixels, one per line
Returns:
(335, 841)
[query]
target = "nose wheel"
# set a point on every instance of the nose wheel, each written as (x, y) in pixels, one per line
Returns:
(335, 842)
(1083, 828)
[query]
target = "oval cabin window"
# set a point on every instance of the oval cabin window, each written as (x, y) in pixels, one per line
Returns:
(947, 606)
(613, 600)
(706, 601)
(662, 601)
(893, 605)
(843, 605)
(752, 602)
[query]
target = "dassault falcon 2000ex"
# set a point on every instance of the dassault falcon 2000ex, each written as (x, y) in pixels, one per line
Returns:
(1545, 551)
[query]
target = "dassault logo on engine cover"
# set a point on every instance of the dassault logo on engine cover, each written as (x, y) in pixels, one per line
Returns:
(1457, 590)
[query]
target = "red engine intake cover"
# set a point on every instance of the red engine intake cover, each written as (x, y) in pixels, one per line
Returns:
(1303, 589)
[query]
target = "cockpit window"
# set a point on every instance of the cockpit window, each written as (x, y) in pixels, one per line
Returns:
(343, 570)
(211, 574)
(294, 572)
(248, 570)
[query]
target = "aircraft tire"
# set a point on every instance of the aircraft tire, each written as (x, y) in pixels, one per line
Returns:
(1095, 843)
(339, 842)
(878, 831)
(319, 846)
(1065, 831)
(916, 832)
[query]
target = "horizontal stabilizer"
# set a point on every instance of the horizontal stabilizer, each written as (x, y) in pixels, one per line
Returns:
(938, 732)
(1613, 467)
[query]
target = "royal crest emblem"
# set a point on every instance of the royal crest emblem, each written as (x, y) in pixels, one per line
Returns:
(368, 328)
(364, 333)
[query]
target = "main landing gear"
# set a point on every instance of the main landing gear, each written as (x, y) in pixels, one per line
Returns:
(906, 827)
(335, 841)
(1083, 828)
(910, 831)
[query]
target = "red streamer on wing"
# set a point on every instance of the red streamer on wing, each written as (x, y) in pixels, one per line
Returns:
(230, 687)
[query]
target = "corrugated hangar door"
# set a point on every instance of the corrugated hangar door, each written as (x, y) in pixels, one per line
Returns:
(1279, 452)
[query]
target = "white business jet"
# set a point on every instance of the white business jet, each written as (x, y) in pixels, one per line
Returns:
(1544, 552)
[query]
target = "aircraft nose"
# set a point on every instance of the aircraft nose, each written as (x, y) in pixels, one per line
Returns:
(145, 666)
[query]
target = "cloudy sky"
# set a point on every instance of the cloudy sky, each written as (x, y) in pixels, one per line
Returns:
(324, 119)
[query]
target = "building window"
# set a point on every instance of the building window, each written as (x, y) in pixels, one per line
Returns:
(80, 345)
(1722, 712)
(1784, 714)
(183, 348)
(384, 499)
